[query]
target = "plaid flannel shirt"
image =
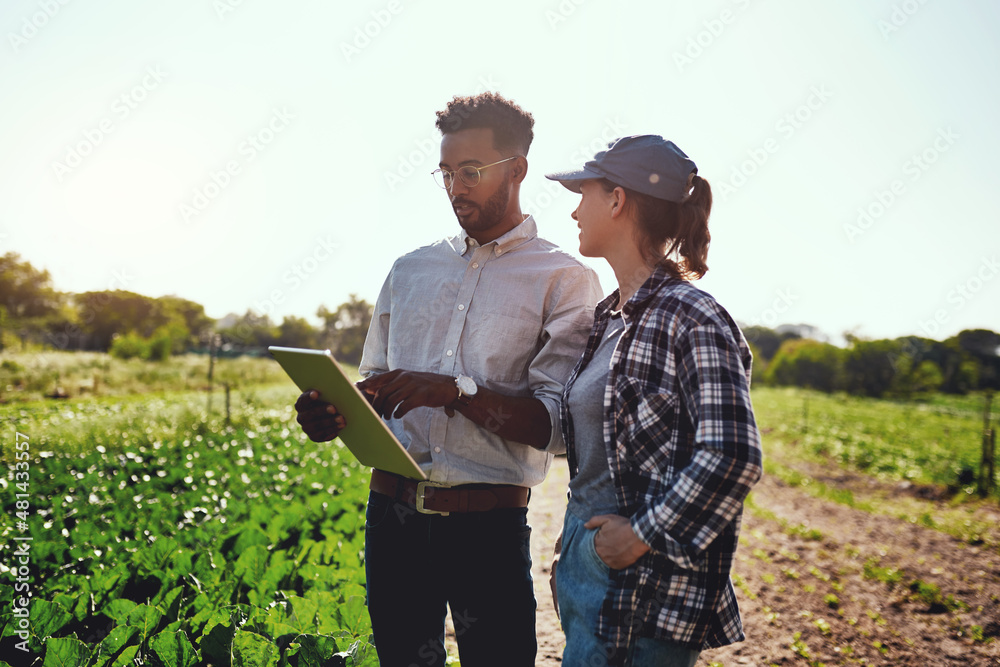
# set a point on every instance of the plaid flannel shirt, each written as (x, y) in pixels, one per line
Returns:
(684, 451)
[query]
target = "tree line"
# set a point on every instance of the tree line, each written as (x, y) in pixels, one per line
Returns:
(34, 314)
(126, 324)
(898, 368)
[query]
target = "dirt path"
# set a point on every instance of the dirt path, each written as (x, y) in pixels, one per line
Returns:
(822, 583)
(545, 513)
(825, 583)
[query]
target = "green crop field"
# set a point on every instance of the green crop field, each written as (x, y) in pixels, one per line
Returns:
(927, 442)
(28, 376)
(161, 537)
(141, 530)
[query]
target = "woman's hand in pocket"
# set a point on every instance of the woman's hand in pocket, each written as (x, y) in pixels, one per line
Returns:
(615, 542)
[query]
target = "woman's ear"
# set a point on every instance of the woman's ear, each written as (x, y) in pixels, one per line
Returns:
(617, 200)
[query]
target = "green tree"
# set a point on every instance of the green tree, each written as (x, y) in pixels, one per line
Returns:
(767, 341)
(103, 315)
(870, 367)
(251, 331)
(25, 291)
(191, 314)
(32, 305)
(961, 368)
(915, 376)
(982, 347)
(806, 363)
(345, 329)
(297, 332)
(129, 346)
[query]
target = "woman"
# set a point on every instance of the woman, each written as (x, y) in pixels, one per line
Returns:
(663, 447)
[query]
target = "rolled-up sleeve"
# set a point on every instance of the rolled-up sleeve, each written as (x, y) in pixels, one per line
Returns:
(564, 333)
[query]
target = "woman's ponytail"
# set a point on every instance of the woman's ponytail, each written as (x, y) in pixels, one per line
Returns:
(690, 242)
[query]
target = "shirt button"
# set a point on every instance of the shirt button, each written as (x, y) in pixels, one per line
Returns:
(461, 306)
(450, 352)
(475, 265)
(437, 450)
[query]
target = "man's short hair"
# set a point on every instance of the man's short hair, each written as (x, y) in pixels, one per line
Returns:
(510, 123)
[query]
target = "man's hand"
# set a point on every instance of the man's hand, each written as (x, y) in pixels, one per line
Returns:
(552, 573)
(616, 543)
(397, 392)
(319, 419)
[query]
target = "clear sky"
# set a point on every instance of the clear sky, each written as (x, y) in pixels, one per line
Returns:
(276, 155)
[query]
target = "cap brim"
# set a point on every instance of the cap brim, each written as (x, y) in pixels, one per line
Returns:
(572, 180)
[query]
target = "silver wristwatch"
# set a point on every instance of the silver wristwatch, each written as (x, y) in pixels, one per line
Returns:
(466, 389)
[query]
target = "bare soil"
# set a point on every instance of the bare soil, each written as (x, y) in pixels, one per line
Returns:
(821, 583)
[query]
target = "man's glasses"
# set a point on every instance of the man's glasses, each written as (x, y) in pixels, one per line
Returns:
(468, 175)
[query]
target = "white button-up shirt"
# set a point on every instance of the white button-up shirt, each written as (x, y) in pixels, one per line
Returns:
(513, 314)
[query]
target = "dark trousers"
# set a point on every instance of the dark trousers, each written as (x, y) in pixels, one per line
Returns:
(478, 563)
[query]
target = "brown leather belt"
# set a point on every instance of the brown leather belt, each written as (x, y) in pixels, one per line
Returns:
(435, 498)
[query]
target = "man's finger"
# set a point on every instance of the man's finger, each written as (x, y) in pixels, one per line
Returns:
(391, 396)
(306, 399)
(404, 406)
(372, 384)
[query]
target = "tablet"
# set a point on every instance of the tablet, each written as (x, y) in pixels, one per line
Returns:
(366, 435)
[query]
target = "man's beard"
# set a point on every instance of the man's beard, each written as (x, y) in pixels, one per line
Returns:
(491, 213)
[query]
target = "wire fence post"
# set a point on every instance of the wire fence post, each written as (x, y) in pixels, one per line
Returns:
(987, 474)
(805, 415)
(212, 342)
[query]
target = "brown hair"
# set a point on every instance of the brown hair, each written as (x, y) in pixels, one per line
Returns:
(510, 123)
(672, 235)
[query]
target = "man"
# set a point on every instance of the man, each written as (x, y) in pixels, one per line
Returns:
(470, 343)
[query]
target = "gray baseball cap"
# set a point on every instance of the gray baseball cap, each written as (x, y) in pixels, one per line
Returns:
(646, 163)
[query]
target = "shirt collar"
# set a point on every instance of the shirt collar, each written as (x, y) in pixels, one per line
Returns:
(653, 284)
(524, 232)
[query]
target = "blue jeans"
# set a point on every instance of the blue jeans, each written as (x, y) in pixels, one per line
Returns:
(478, 563)
(581, 583)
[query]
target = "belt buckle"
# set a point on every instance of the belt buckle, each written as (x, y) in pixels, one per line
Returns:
(421, 486)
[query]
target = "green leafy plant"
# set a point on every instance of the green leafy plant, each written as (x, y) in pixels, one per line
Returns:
(164, 539)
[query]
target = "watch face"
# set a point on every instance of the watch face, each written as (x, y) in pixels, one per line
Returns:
(467, 385)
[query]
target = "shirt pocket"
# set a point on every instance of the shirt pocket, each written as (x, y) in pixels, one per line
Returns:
(648, 428)
(499, 348)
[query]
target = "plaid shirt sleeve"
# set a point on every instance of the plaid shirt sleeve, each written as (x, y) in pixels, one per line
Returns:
(707, 494)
